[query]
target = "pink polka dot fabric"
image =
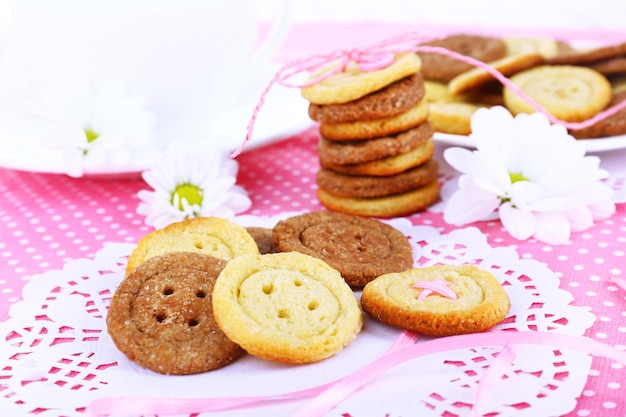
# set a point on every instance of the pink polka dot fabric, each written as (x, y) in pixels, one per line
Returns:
(47, 220)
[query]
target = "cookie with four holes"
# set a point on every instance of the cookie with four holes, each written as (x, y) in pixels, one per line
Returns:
(360, 248)
(286, 307)
(161, 315)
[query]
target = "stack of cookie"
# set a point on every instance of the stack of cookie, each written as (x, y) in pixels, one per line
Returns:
(375, 148)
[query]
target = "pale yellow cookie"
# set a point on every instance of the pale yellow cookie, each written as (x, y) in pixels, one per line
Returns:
(371, 129)
(395, 205)
(353, 83)
(390, 165)
(546, 46)
(570, 93)
(436, 91)
(507, 66)
(480, 301)
(452, 117)
(286, 307)
(213, 236)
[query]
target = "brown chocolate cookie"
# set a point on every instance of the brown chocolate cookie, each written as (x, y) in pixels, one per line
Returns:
(392, 100)
(161, 315)
(389, 165)
(439, 67)
(581, 57)
(367, 186)
(356, 152)
(377, 128)
(359, 248)
(610, 66)
(388, 206)
(263, 238)
(611, 126)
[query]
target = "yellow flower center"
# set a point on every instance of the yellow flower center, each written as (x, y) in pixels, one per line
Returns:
(517, 177)
(91, 135)
(191, 193)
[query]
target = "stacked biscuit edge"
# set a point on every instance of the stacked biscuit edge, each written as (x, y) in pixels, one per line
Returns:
(375, 147)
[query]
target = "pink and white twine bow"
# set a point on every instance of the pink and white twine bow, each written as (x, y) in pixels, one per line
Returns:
(381, 55)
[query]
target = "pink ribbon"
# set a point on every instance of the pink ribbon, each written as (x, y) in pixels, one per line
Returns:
(620, 282)
(491, 378)
(440, 286)
(405, 350)
(381, 55)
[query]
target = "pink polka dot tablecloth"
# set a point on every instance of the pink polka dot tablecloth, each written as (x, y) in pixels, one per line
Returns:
(48, 220)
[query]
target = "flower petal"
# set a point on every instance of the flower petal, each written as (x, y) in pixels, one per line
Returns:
(461, 159)
(469, 205)
(552, 228)
(519, 223)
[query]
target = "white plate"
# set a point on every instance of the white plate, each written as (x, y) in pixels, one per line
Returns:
(283, 114)
(591, 145)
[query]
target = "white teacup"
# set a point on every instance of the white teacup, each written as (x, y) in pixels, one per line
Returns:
(189, 59)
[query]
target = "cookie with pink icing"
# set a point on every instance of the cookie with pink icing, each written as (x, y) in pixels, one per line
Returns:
(441, 300)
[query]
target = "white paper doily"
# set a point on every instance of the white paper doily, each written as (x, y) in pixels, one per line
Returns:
(57, 356)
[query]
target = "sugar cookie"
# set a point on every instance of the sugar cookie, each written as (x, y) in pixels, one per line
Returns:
(436, 91)
(507, 66)
(453, 117)
(370, 129)
(286, 307)
(570, 93)
(358, 247)
(161, 315)
(213, 236)
(480, 301)
(546, 46)
(353, 83)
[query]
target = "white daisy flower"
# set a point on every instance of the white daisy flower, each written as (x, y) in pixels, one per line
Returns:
(535, 175)
(90, 127)
(191, 181)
